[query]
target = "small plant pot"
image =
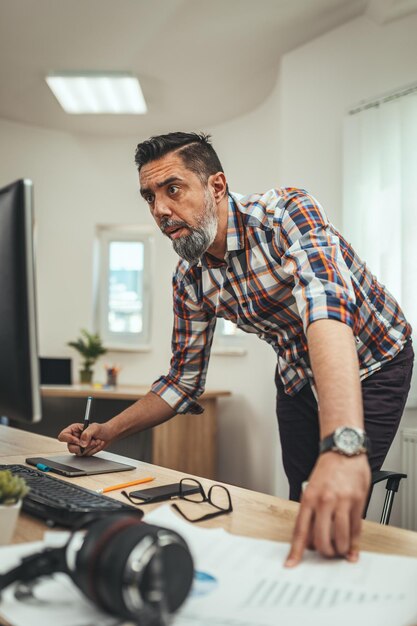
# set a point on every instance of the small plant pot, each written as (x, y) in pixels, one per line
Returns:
(86, 377)
(8, 521)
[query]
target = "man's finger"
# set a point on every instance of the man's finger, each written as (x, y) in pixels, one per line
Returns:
(97, 448)
(96, 445)
(355, 531)
(300, 537)
(310, 541)
(71, 434)
(71, 439)
(342, 530)
(323, 529)
(89, 436)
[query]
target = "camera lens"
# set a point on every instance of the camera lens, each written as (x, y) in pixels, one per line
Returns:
(124, 563)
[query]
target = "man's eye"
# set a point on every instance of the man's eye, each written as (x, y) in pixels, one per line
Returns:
(173, 188)
(149, 198)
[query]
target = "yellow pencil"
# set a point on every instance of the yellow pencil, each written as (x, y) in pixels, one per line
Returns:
(147, 479)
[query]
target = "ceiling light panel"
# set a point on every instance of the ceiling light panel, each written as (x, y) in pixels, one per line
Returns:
(96, 94)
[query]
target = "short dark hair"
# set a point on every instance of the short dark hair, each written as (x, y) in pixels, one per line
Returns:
(194, 149)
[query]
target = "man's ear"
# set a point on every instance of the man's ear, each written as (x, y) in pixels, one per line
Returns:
(218, 183)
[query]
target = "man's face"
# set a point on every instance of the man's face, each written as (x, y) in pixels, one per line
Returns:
(184, 209)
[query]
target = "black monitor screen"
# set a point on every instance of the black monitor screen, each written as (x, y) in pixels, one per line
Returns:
(55, 371)
(19, 367)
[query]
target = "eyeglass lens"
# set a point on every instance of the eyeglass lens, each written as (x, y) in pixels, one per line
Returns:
(192, 490)
(219, 497)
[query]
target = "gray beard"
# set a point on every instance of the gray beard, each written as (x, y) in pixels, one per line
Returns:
(191, 247)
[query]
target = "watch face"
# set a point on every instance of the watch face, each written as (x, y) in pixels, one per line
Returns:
(348, 440)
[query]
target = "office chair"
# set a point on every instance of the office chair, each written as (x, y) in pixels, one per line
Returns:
(393, 482)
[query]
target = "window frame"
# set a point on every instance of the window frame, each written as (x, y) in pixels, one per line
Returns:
(105, 235)
(226, 344)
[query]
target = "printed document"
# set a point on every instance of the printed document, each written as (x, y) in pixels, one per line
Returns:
(242, 582)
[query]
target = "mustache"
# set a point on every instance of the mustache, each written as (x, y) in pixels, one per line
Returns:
(167, 223)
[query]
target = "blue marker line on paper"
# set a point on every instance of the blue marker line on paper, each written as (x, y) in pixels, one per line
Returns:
(42, 467)
(203, 584)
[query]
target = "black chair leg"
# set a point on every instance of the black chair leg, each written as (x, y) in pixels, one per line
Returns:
(393, 482)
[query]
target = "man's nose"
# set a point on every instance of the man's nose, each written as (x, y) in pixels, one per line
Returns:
(161, 208)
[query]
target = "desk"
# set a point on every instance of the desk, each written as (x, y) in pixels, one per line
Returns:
(254, 514)
(187, 443)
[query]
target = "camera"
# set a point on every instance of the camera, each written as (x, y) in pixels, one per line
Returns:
(131, 569)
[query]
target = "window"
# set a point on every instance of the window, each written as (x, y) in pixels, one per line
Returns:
(229, 340)
(122, 302)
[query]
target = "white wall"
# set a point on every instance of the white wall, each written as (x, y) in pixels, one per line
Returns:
(320, 82)
(83, 181)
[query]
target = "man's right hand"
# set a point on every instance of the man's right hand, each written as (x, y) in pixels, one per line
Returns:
(88, 442)
(149, 411)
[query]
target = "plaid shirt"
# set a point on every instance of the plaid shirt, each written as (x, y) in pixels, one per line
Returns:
(285, 267)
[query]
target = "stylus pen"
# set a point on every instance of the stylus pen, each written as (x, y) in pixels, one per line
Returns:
(86, 418)
(147, 479)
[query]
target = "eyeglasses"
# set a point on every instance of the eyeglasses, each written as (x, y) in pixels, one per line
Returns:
(191, 490)
(218, 496)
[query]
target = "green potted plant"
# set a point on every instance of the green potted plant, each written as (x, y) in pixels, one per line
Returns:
(12, 490)
(90, 347)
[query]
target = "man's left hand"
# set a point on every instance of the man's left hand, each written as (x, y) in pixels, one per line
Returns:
(332, 506)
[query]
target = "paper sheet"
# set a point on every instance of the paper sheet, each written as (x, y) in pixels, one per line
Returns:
(241, 582)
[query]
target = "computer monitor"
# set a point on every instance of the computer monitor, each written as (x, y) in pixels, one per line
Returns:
(19, 365)
(55, 370)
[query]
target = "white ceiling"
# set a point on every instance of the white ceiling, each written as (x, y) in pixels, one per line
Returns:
(200, 62)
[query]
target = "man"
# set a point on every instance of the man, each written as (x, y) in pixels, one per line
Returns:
(273, 264)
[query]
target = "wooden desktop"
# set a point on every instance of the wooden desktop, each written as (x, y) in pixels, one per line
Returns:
(254, 514)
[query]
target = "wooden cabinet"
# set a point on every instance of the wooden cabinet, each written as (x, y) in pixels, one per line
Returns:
(187, 443)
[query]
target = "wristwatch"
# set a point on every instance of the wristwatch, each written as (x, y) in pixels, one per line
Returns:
(346, 440)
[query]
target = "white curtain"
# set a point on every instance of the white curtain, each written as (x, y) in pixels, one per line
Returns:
(380, 198)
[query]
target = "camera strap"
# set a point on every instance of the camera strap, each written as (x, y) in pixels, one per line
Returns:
(43, 563)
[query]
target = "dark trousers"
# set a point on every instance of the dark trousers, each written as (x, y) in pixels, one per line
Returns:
(384, 394)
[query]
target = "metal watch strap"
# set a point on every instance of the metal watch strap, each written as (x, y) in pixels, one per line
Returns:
(329, 444)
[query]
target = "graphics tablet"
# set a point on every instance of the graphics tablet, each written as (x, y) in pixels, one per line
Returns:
(71, 465)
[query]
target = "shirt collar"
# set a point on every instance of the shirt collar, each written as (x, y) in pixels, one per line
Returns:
(234, 236)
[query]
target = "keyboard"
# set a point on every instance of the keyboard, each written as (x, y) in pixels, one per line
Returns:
(60, 502)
